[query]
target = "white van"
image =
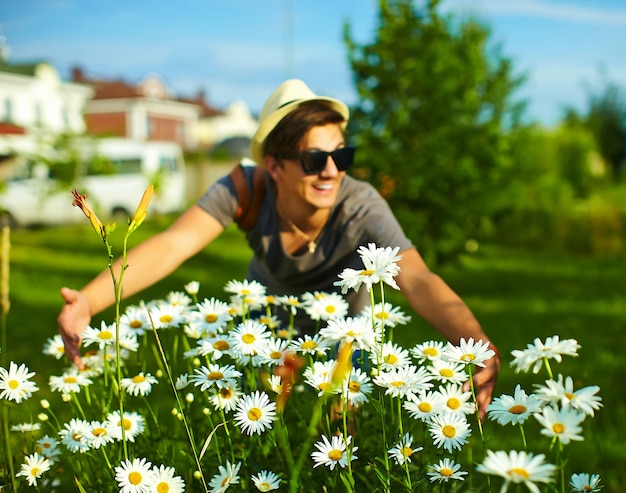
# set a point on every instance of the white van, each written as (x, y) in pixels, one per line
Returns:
(115, 174)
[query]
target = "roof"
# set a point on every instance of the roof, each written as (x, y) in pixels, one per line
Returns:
(20, 68)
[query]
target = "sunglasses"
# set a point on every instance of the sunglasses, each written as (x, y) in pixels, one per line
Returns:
(314, 162)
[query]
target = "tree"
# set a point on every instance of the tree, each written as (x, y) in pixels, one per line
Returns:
(431, 123)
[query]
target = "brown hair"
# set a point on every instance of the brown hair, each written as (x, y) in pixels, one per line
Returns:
(286, 136)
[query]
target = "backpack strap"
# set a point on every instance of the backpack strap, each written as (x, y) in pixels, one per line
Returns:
(250, 201)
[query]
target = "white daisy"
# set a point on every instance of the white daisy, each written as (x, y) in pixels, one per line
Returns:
(424, 405)
(427, 351)
(26, 427)
(448, 371)
(135, 476)
(102, 337)
(357, 386)
(135, 320)
(178, 298)
(255, 413)
(192, 288)
(534, 354)
(15, 384)
(333, 452)
(291, 303)
(140, 384)
(562, 392)
(386, 314)
(390, 356)
(585, 483)
(445, 470)
(215, 375)
(225, 397)
(324, 306)
(275, 352)
(405, 381)
(182, 381)
(215, 346)
(514, 409)
(167, 315)
(34, 466)
(319, 376)
(48, 447)
(225, 477)
(134, 425)
(455, 400)
(249, 338)
(469, 352)
(518, 467)
(379, 266)
(314, 345)
(211, 315)
(245, 288)
(266, 481)
(164, 480)
(54, 347)
(401, 452)
(99, 435)
(357, 330)
(449, 430)
(563, 424)
(75, 435)
(70, 382)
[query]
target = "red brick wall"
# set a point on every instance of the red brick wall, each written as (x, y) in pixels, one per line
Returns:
(166, 128)
(113, 124)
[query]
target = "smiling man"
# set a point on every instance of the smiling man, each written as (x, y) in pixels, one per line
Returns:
(307, 228)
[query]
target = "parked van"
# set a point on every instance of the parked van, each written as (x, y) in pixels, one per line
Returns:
(114, 174)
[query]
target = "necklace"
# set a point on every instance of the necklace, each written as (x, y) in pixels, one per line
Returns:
(311, 245)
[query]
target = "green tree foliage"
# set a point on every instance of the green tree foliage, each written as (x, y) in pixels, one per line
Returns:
(606, 119)
(435, 106)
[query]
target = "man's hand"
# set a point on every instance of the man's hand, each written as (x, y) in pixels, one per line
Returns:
(484, 383)
(73, 320)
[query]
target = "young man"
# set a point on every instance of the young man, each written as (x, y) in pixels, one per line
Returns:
(310, 223)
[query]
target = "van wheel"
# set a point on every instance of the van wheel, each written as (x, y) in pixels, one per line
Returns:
(6, 219)
(120, 216)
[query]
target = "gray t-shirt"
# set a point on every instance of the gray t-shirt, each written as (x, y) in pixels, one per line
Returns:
(359, 216)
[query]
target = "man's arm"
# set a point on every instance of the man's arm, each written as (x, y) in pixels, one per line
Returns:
(148, 263)
(439, 305)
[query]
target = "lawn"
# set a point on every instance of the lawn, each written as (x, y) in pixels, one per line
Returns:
(517, 295)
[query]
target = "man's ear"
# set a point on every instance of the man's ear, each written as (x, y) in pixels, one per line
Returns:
(273, 167)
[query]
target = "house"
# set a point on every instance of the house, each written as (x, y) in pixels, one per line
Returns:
(143, 111)
(35, 103)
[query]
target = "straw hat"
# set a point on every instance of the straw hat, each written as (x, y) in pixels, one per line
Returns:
(286, 98)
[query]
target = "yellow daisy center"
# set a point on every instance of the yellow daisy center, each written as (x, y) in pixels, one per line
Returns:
(519, 472)
(99, 432)
(221, 345)
(211, 318)
(244, 292)
(139, 379)
(425, 407)
(264, 486)
(226, 393)
(254, 414)
(166, 319)
(446, 471)
(105, 335)
(453, 403)
(467, 357)
(309, 345)
(34, 471)
(446, 372)
(248, 338)
(558, 428)
(13, 384)
(324, 386)
(382, 315)
(335, 454)
(406, 451)
(275, 354)
(330, 309)
(127, 424)
(392, 359)
(366, 272)
(135, 477)
(162, 487)
(449, 431)
(570, 396)
(354, 386)
(77, 437)
(135, 324)
(397, 383)
(430, 351)
(517, 409)
(215, 375)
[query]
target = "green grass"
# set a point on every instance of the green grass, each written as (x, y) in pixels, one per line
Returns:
(517, 295)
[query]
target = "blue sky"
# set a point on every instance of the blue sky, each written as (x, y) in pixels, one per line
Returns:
(242, 49)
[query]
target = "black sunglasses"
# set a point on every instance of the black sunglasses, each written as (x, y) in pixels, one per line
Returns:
(314, 162)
